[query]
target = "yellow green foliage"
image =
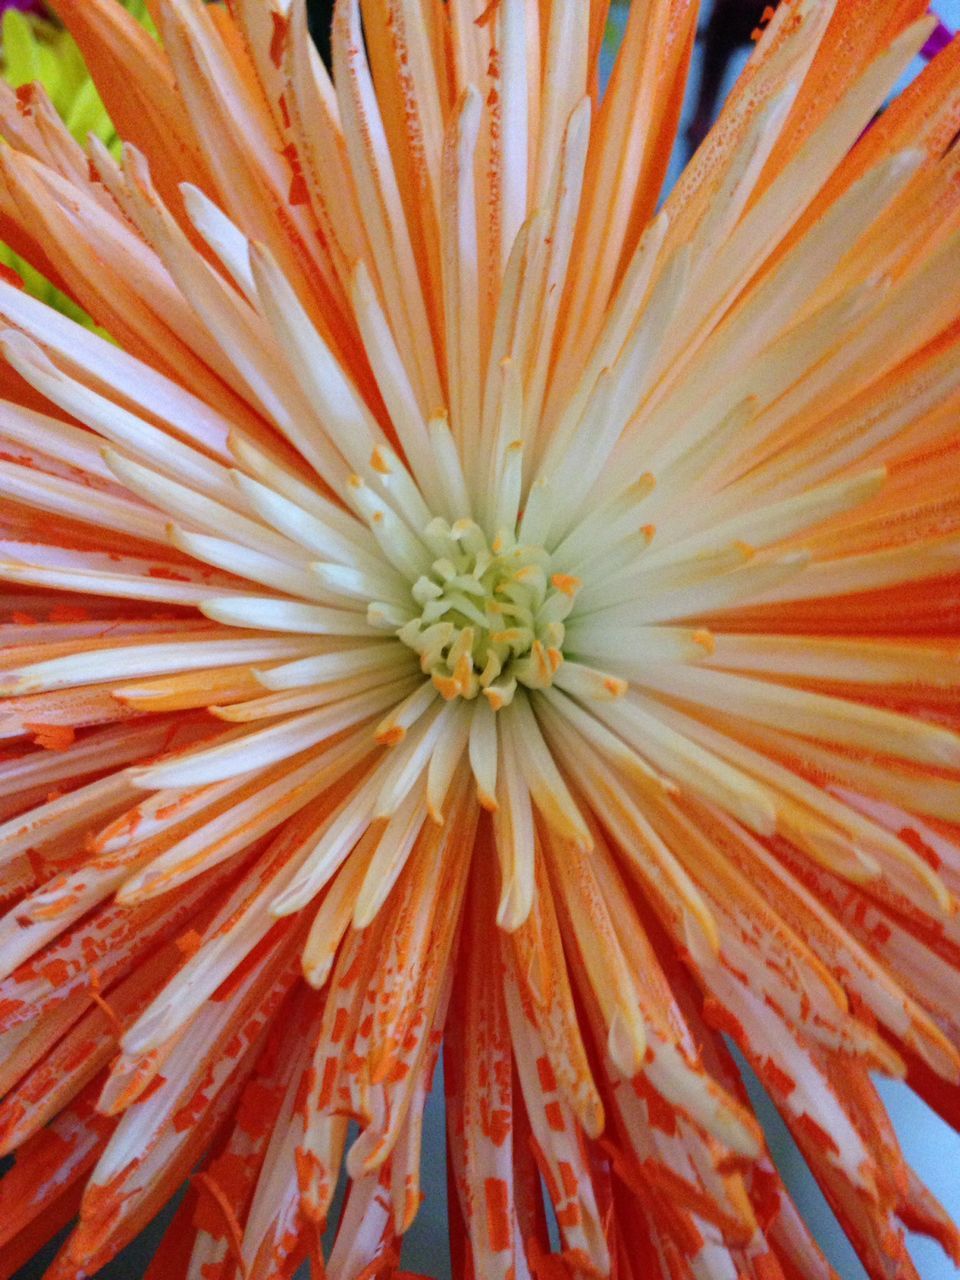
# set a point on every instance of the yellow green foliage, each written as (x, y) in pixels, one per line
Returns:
(34, 49)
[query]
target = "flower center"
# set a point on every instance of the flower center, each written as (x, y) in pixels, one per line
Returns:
(491, 614)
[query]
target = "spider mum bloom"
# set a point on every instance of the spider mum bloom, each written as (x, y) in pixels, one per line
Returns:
(466, 606)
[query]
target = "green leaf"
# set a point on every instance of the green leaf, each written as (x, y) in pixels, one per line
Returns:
(21, 50)
(37, 50)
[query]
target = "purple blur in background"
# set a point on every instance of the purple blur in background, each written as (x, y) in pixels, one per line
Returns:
(24, 6)
(940, 38)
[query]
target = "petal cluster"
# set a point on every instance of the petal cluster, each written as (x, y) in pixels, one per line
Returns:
(473, 601)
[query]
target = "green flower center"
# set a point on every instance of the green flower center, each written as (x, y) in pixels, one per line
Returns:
(492, 614)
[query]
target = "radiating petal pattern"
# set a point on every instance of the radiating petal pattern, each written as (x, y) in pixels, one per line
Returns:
(475, 602)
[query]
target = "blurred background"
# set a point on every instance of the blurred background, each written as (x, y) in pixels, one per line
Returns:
(930, 1145)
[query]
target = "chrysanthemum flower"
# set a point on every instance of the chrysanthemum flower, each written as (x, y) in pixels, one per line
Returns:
(468, 607)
